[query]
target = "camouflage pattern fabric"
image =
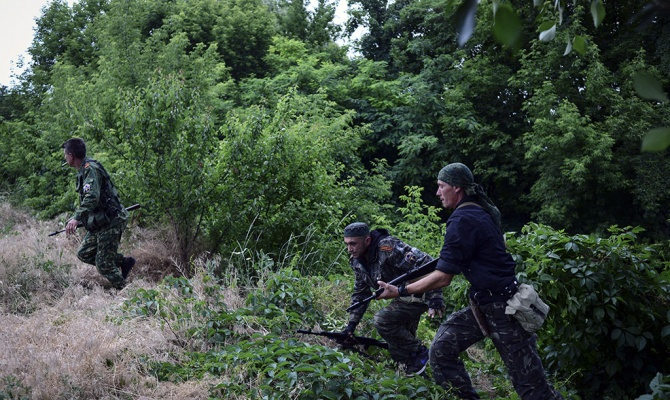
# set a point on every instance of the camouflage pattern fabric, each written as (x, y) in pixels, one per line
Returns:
(99, 204)
(100, 249)
(391, 257)
(397, 324)
(103, 217)
(387, 258)
(515, 346)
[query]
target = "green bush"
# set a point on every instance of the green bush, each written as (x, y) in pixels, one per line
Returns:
(268, 367)
(609, 301)
(288, 175)
(254, 349)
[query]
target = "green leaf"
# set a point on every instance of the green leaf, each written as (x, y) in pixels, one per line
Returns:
(666, 331)
(507, 26)
(549, 34)
(599, 313)
(657, 139)
(568, 48)
(598, 12)
(579, 44)
(611, 368)
(640, 343)
(649, 87)
(571, 246)
(546, 25)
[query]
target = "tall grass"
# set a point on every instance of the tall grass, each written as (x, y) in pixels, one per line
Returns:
(57, 340)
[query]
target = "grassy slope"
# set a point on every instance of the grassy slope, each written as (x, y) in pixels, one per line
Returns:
(56, 337)
(64, 335)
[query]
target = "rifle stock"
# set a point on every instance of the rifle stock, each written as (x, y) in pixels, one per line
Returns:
(348, 340)
(131, 208)
(407, 276)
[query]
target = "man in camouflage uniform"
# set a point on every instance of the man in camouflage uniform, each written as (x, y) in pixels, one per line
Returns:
(378, 256)
(474, 246)
(101, 213)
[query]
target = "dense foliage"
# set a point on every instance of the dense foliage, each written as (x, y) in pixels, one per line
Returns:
(251, 131)
(597, 287)
(595, 339)
(163, 91)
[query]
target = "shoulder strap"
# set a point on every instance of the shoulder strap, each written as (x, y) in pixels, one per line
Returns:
(469, 203)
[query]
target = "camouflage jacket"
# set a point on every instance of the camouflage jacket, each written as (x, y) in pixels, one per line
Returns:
(387, 258)
(99, 205)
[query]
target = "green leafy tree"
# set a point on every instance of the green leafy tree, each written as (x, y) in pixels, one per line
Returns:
(586, 127)
(375, 16)
(322, 30)
(66, 35)
(286, 171)
(170, 138)
(244, 31)
(419, 224)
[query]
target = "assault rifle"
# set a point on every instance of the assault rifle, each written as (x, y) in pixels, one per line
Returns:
(348, 341)
(131, 208)
(418, 272)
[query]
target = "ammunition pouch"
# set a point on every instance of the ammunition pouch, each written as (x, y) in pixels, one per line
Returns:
(96, 221)
(527, 307)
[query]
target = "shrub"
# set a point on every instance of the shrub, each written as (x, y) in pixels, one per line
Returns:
(288, 175)
(609, 302)
(253, 349)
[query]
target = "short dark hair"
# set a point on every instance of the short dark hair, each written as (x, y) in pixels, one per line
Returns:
(76, 147)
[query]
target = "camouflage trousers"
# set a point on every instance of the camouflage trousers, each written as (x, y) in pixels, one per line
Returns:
(397, 324)
(516, 347)
(100, 249)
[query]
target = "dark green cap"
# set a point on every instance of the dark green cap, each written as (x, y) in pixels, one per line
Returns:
(458, 175)
(356, 229)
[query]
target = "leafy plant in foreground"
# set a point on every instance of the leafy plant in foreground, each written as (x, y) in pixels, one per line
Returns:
(609, 301)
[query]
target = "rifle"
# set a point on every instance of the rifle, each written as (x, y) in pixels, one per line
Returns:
(348, 341)
(407, 276)
(131, 208)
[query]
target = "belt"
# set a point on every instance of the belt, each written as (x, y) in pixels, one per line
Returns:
(412, 298)
(483, 297)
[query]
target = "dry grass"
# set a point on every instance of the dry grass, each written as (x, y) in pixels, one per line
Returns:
(57, 340)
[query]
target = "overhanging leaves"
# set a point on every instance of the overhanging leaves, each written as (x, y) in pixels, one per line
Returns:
(649, 87)
(656, 140)
(465, 17)
(598, 12)
(507, 26)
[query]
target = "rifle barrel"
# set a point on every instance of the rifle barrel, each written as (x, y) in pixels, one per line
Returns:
(131, 208)
(413, 274)
(344, 338)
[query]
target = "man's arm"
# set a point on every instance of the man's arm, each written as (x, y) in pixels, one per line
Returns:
(435, 280)
(361, 291)
(91, 188)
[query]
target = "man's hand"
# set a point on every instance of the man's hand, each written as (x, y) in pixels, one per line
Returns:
(435, 307)
(350, 328)
(390, 291)
(71, 226)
